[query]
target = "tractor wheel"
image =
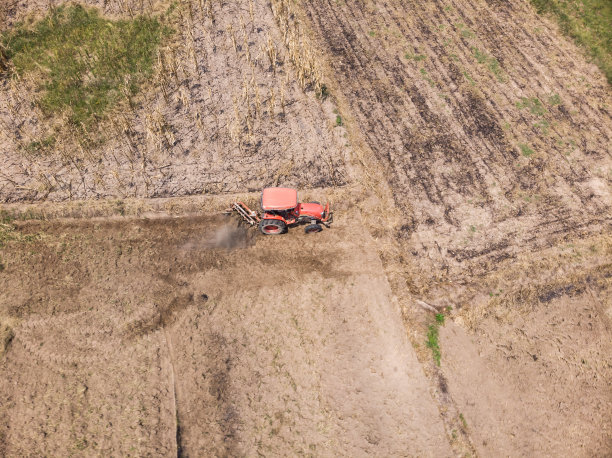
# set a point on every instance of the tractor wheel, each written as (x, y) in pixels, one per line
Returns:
(312, 228)
(272, 227)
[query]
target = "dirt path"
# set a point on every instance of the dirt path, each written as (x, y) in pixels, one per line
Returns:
(282, 346)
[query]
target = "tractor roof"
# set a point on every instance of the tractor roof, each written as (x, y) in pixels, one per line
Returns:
(279, 199)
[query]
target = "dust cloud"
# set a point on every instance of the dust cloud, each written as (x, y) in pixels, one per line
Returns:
(228, 237)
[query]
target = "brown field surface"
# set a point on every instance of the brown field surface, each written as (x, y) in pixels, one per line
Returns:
(141, 336)
(460, 305)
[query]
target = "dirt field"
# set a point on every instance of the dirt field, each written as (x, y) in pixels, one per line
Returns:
(138, 337)
(470, 173)
(490, 127)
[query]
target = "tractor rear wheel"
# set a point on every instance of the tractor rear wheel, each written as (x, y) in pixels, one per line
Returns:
(312, 228)
(272, 226)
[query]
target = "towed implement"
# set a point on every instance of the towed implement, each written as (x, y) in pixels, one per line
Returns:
(280, 210)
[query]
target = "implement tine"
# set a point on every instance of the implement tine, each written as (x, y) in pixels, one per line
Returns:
(245, 213)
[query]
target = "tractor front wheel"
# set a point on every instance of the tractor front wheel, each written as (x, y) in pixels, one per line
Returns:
(312, 228)
(272, 227)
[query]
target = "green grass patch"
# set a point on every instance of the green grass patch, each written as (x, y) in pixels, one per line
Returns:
(469, 78)
(525, 150)
(543, 125)
(491, 62)
(415, 57)
(535, 106)
(463, 422)
(465, 32)
(588, 22)
(432, 342)
(338, 120)
(84, 63)
(9, 232)
(554, 100)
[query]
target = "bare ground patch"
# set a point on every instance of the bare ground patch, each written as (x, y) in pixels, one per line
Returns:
(147, 336)
(485, 141)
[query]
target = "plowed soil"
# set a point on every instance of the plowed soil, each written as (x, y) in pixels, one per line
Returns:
(447, 96)
(495, 139)
(191, 336)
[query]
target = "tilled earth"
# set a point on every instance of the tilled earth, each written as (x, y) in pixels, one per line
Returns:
(484, 141)
(193, 336)
(494, 134)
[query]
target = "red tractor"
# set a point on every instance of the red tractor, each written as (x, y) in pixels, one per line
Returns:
(281, 209)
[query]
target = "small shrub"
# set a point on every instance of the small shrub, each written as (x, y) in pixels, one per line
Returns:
(440, 318)
(338, 120)
(323, 92)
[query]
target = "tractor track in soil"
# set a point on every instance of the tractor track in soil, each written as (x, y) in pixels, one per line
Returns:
(178, 342)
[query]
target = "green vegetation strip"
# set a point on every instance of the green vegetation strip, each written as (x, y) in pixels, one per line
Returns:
(588, 22)
(432, 338)
(82, 62)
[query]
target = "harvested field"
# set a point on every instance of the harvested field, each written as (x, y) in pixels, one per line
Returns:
(225, 112)
(494, 140)
(494, 134)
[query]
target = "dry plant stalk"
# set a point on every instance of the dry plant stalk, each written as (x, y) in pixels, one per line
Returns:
(198, 121)
(230, 30)
(299, 47)
(236, 111)
(272, 53)
(271, 102)
(184, 97)
(257, 101)
(282, 100)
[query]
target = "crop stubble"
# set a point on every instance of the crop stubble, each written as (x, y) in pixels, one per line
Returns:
(218, 117)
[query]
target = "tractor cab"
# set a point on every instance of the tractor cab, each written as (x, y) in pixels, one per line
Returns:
(281, 209)
(279, 202)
